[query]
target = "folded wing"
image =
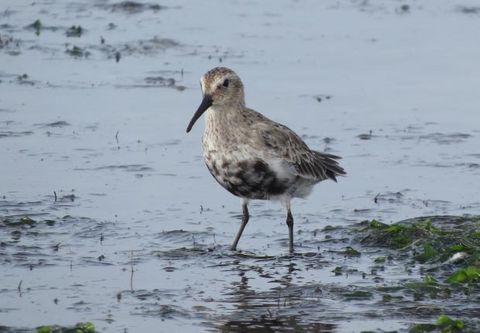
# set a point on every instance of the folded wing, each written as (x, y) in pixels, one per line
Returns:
(281, 142)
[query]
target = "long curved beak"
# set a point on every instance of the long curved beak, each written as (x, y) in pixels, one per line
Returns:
(206, 103)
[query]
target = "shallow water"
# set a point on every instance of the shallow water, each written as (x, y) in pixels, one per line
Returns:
(129, 230)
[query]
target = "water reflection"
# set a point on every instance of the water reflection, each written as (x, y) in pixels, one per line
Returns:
(279, 309)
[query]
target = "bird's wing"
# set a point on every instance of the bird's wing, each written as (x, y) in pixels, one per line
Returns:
(281, 142)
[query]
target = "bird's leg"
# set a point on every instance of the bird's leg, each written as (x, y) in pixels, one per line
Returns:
(290, 230)
(245, 218)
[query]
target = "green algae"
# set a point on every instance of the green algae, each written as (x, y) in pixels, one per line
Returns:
(444, 324)
(380, 260)
(445, 250)
(24, 222)
(465, 275)
(358, 295)
(351, 252)
(433, 239)
(398, 235)
(78, 328)
(15, 221)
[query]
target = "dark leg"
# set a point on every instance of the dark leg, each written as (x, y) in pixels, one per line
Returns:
(245, 218)
(290, 230)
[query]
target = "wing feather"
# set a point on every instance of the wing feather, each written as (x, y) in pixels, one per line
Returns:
(281, 142)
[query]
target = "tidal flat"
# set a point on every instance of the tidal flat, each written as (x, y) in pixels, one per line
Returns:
(110, 221)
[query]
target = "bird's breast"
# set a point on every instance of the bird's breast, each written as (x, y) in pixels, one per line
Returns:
(248, 178)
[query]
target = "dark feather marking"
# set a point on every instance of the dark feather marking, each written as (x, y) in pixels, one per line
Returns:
(256, 179)
(225, 164)
(214, 168)
(260, 167)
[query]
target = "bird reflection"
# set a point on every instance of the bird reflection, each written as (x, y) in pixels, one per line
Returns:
(276, 309)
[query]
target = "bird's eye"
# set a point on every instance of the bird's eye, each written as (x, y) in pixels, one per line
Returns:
(225, 83)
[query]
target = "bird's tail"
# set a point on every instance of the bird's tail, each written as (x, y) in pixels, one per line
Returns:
(330, 163)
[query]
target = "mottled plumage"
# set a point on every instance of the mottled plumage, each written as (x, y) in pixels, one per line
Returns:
(252, 156)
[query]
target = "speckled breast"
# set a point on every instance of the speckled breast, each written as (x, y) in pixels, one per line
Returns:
(248, 178)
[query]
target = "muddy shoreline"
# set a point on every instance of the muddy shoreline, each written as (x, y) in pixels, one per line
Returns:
(110, 220)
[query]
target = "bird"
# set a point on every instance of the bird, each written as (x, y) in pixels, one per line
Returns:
(252, 156)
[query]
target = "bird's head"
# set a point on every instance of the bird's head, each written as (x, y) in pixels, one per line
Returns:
(220, 87)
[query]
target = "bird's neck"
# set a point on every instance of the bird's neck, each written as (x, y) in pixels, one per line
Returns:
(222, 126)
(223, 117)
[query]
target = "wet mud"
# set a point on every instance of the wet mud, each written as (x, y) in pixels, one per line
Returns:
(416, 270)
(109, 220)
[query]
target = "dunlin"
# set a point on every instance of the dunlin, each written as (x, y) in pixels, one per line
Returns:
(252, 156)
